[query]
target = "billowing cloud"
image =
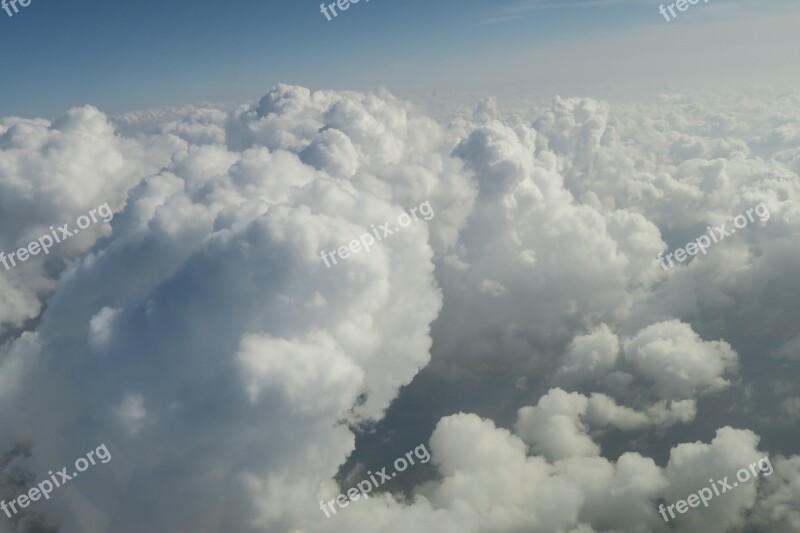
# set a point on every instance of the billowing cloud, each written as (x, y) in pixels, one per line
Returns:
(678, 362)
(203, 338)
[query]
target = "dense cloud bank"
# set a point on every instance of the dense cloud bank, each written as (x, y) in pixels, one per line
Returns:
(203, 339)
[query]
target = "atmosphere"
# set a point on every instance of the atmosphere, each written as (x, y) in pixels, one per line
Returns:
(127, 55)
(379, 266)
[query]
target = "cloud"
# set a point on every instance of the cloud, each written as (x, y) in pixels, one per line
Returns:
(678, 361)
(196, 240)
(518, 9)
(589, 357)
(691, 467)
(553, 428)
(230, 372)
(50, 173)
(776, 509)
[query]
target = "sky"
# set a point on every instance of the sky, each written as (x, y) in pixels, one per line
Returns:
(532, 264)
(134, 55)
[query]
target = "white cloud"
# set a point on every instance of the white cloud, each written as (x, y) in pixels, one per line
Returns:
(131, 412)
(553, 428)
(313, 374)
(101, 328)
(589, 357)
(233, 362)
(603, 411)
(777, 509)
(678, 362)
(691, 467)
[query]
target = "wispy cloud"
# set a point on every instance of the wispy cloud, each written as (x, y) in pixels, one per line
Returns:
(518, 9)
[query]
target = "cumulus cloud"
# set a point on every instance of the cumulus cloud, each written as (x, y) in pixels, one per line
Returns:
(230, 371)
(50, 173)
(678, 362)
(589, 357)
(692, 466)
(603, 410)
(777, 508)
(234, 227)
(553, 428)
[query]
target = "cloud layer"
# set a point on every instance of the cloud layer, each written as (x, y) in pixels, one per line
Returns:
(229, 371)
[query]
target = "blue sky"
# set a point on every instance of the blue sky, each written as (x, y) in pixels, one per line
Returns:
(127, 55)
